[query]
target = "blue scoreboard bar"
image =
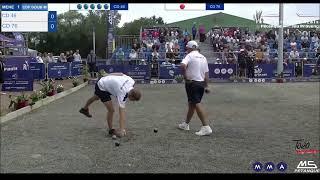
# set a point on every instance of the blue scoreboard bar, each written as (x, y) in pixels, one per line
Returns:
(214, 6)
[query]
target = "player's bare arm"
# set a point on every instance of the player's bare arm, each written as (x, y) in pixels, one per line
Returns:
(183, 70)
(122, 116)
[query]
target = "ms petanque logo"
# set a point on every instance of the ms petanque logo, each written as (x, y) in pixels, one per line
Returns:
(217, 71)
(223, 71)
(230, 70)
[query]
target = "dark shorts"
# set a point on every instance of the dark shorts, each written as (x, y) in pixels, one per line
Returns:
(92, 67)
(1, 78)
(103, 95)
(194, 91)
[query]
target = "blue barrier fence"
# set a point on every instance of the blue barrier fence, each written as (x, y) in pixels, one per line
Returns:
(19, 75)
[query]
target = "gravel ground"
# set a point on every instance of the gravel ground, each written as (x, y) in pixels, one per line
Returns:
(251, 122)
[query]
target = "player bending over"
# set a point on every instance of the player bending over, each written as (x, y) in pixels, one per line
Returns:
(120, 86)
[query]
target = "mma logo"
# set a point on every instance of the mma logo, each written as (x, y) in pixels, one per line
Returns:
(230, 70)
(223, 71)
(269, 166)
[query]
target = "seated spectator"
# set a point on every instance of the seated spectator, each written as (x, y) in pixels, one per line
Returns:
(136, 46)
(155, 55)
(176, 34)
(248, 39)
(293, 44)
(141, 54)
(133, 56)
(316, 45)
(144, 35)
(120, 56)
(305, 36)
(314, 38)
(176, 54)
(304, 55)
(305, 44)
(149, 44)
(266, 57)
(294, 55)
(231, 58)
(162, 38)
(169, 52)
(259, 55)
(186, 33)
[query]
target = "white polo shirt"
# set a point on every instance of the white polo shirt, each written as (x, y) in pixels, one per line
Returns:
(118, 86)
(197, 66)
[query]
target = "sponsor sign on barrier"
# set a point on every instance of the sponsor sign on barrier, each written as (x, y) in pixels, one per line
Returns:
(222, 71)
(169, 71)
(38, 70)
(18, 80)
(309, 70)
(270, 71)
(135, 71)
(58, 70)
(18, 62)
(138, 71)
(76, 68)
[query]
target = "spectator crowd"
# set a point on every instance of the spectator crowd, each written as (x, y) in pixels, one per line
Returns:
(68, 56)
(263, 46)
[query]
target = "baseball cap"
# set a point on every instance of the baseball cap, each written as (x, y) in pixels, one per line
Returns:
(192, 44)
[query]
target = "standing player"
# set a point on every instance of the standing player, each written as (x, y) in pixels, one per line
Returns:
(122, 87)
(196, 74)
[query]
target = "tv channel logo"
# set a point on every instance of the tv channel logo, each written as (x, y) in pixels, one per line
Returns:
(269, 166)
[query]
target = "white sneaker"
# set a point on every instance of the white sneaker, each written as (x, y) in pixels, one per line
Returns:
(204, 131)
(184, 126)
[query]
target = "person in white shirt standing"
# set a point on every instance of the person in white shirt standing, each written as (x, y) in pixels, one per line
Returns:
(39, 58)
(77, 56)
(120, 86)
(196, 74)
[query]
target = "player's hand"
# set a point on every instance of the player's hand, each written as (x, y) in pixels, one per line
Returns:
(207, 90)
